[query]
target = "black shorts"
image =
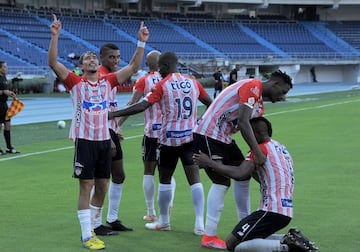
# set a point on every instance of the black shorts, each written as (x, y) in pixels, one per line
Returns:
(228, 154)
(3, 110)
(218, 86)
(92, 159)
(150, 149)
(259, 224)
(170, 155)
(116, 140)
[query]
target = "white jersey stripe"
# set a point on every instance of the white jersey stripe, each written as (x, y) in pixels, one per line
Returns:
(219, 120)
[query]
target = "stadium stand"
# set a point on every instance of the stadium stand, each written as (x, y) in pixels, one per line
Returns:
(346, 30)
(24, 36)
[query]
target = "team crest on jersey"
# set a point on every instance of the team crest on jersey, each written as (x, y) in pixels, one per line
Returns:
(251, 101)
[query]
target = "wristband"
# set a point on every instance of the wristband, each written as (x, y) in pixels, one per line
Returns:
(141, 44)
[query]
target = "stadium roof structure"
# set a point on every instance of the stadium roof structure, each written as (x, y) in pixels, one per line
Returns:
(265, 3)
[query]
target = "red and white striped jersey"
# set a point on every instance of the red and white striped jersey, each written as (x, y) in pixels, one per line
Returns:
(178, 95)
(152, 115)
(220, 119)
(90, 106)
(113, 104)
(276, 179)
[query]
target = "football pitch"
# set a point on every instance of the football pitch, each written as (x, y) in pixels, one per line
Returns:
(38, 196)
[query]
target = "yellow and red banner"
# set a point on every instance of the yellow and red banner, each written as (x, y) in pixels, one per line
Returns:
(15, 107)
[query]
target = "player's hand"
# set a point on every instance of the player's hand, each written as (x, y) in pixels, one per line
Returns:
(202, 160)
(120, 135)
(113, 149)
(55, 26)
(259, 159)
(10, 93)
(144, 33)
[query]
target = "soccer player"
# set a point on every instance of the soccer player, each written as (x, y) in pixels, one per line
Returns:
(276, 178)
(177, 95)
(4, 94)
(152, 121)
(110, 59)
(230, 112)
(90, 126)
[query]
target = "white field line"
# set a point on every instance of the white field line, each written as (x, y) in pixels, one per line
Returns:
(137, 136)
(311, 108)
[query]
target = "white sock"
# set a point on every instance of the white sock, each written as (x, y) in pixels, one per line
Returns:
(198, 199)
(164, 197)
(149, 192)
(85, 223)
(173, 187)
(242, 198)
(115, 193)
(215, 205)
(260, 245)
(96, 216)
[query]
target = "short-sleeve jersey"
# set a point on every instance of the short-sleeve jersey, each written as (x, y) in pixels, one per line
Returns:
(276, 179)
(113, 104)
(178, 95)
(90, 106)
(3, 86)
(152, 115)
(219, 121)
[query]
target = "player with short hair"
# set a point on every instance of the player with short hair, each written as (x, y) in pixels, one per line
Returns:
(90, 125)
(110, 59)
(150, 142)
(229, 113)
(177, 95)
(276, 178)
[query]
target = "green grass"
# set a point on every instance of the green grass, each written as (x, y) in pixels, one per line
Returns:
(38, 197)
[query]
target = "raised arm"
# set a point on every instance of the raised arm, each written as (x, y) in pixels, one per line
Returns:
(126, 72)
(60, 70)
